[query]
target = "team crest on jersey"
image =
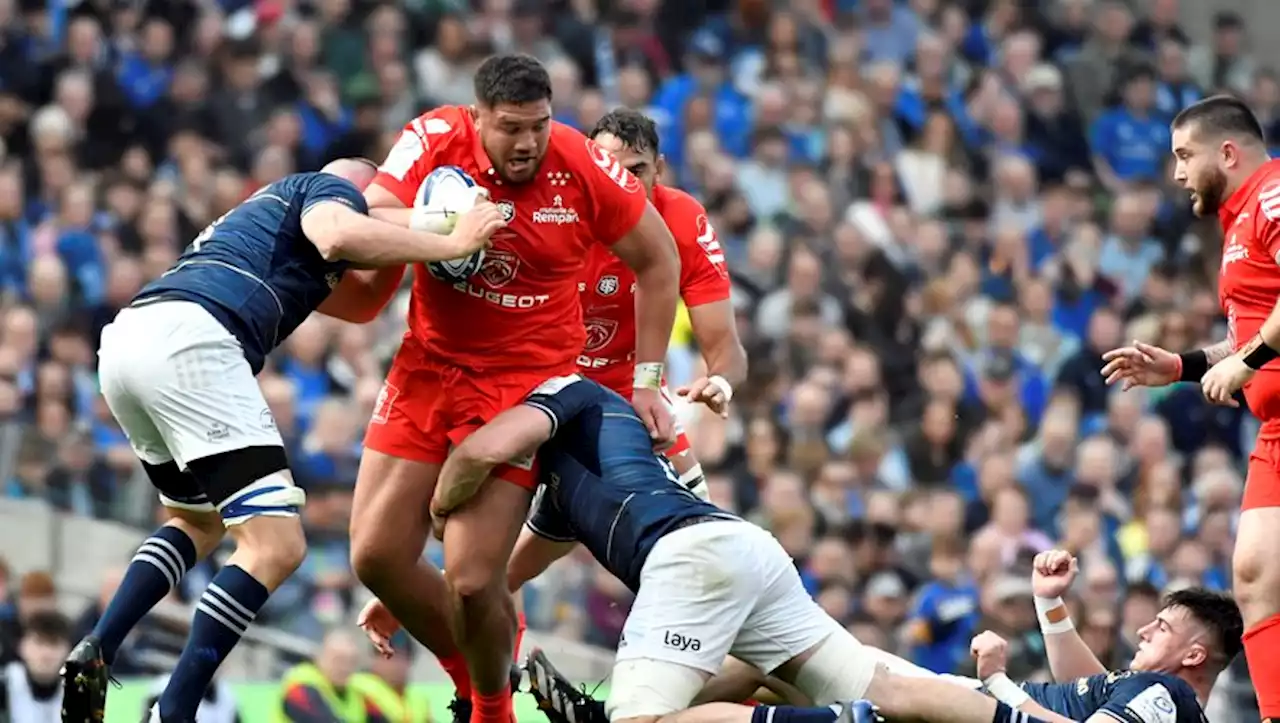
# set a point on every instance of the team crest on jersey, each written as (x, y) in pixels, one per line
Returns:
(599, 333)
(507, 209)
(607, 285)
(499, 267)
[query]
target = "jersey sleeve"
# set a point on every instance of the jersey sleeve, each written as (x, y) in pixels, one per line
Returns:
(415, 153)
(617, 198)
(704, 277)
(1139, 699)
(562, 399)
(326, 188)
(1268, 222)
(546, 521)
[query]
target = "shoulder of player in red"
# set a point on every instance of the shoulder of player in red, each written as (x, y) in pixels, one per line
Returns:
(1265, 184)
(615, 197)
(704, 273)
(444, 136)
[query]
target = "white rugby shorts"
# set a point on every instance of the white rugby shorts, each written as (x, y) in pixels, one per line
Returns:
(177, 382)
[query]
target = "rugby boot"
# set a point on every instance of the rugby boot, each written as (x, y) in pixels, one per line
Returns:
(860, 711)
(460, 709)
(85, 681)
(558, 698)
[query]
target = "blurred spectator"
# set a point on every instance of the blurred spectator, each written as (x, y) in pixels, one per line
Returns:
(32, 687)
(318, 690)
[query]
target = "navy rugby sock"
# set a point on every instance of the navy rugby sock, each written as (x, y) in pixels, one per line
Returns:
(223, 614)
(1005, 714)
(789, 714)
(157, 567)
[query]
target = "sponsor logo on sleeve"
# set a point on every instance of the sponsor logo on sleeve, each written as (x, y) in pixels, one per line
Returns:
(612, 168)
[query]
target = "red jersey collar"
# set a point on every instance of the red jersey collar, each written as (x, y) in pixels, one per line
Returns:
(483, 163)
(1239, 201)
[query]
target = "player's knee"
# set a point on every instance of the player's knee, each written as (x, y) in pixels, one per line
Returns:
(276, 544)
(891, 693)
(472, 582)
(204, 528)
(646, 690)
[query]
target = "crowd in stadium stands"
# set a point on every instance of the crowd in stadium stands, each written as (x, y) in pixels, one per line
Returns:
(938, 214)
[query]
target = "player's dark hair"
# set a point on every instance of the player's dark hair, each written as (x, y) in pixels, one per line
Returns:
(1224, 115)
(511, 79)
(51, 626)
(1218, 612)
(635, 129)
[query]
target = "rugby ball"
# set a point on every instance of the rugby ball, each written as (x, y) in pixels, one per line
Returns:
(446, 192)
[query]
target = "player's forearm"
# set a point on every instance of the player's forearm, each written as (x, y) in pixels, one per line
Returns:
(1218, 352)
(371, 242)
(460, 479)
(1265, 345)
(1069, 657)
(657, 295)
(715, 330)
(361, 295)
(532, 556)
(397, 215)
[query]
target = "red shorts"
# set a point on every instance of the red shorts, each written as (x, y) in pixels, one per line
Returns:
(425, 408)
(1262, 484)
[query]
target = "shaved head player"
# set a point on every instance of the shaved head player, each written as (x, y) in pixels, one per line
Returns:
(1221, 160)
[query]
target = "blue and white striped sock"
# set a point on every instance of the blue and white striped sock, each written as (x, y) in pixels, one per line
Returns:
(157, 567)
(223, 614)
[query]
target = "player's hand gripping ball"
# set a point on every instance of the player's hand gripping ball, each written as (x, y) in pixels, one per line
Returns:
(447, 192)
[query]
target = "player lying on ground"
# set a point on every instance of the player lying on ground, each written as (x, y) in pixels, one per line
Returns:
(177, 369)
(1179, 657)
(1221, 158)
(706, 582)
(608, 293)
(480, 345)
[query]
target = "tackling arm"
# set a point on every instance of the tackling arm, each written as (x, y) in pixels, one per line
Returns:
(650, 251)
(716, 330)
(516, 432)
(362, 294)
(342, 233)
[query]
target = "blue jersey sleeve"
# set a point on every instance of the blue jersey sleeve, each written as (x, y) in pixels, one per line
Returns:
(325, 188)
(563, 398)
(547, 521)
(1141, 698)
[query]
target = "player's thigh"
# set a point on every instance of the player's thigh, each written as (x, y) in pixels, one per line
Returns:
(785, 622)
(645, 688)
(481, 535)
(410, 419)
(131, 366)
(1256, 560)
(696, 591)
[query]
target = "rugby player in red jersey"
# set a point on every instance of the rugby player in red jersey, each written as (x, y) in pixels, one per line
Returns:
(1221, 158)
(482, 345)
(608, 290)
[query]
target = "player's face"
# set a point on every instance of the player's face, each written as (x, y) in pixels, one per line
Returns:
(647, 166)
(515, 137)
(1170, 643)
(1199, 168)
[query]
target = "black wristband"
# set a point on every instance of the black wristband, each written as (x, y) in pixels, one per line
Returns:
(1195, 364)
(1261, 354)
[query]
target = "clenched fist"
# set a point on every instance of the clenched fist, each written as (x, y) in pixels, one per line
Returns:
(1052, 573)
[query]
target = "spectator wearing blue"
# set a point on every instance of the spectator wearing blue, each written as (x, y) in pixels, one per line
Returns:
(943, 616)
(1130, 252)
(1175, 88)
(889, 30)
(144, 75)
(1131, 140)
(706, 74)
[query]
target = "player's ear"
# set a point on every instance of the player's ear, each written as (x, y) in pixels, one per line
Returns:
(660, 167)
(1195, 656)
